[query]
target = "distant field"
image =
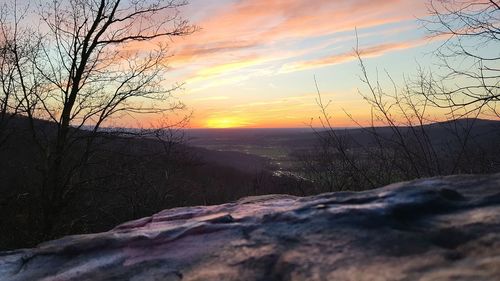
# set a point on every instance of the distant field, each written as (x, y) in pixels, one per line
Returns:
(277, 145)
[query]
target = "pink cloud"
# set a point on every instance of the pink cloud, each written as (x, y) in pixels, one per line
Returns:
(250, 23)
(249, 33)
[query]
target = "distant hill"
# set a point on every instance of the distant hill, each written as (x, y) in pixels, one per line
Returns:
(481, 131)
(484, 131)
(127, 177)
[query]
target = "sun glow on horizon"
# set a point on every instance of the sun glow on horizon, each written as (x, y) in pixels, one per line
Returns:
(235, 75)
(225, 122)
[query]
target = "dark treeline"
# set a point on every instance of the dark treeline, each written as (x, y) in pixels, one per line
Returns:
(128, 177)
(131, 176)
(66, 74)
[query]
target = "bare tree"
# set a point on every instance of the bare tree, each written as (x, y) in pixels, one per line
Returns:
(8, 107)
(404, 141)
(470, 55)
(335, 167)
(467, 89)
(408, 144)
(92, 60)
(15, 48)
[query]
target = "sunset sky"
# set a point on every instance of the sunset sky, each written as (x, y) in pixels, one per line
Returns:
(253, 62)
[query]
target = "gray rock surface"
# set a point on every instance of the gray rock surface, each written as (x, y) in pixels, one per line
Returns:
(434, 229)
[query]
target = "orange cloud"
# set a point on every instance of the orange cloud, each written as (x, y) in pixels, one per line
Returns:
(239, 29)
(250, 33)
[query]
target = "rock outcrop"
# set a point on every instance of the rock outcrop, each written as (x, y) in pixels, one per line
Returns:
(433, 229)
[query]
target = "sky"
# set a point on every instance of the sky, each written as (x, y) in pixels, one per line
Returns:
(253, 63)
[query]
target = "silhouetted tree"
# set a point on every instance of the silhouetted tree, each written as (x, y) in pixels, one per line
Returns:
(15, 51)
(404, 149)
(91, 60)
(470, 55)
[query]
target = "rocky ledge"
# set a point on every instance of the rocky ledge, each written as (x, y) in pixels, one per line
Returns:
(434, 229)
